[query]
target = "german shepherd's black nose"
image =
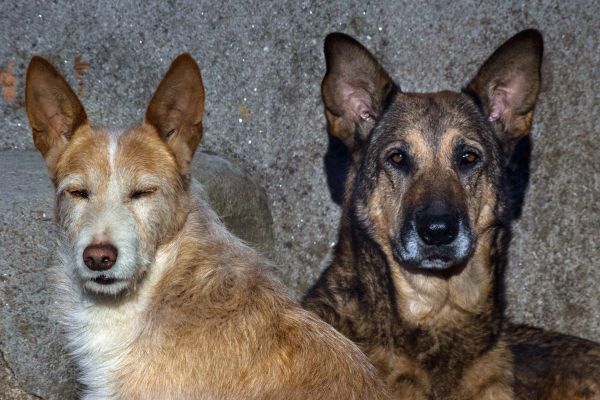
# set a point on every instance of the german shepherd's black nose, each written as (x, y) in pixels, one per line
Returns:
(437, 224)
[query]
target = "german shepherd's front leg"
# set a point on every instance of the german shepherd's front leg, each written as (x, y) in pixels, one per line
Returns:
(404, 377)
(489, 377)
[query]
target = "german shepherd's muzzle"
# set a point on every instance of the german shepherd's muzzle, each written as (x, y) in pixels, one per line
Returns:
(434, 236)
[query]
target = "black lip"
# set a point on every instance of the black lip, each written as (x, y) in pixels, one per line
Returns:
(104, 280)
(438, 263)
(433, 260)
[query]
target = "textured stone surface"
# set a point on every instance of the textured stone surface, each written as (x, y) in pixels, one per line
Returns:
(29, 337)
(262, 65)
(31, 352)
(242, 205)
(9, 387)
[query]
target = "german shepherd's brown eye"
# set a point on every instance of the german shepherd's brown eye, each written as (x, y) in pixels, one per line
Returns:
(79, 193)
(397, 158)
(468, 159)
(138, 194)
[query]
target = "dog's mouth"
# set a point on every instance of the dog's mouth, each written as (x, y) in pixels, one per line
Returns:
(415, 255)
(104, 280)
(436, 260)
(111, 285)
(104, 285)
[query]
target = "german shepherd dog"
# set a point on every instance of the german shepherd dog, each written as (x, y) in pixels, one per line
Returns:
(416, 278)
(158, 299)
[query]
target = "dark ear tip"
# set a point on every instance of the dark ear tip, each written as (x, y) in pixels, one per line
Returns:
(38, 62)
(337, 36)
(35, 60)
(184, 57)
(39, 68)
(185, 60)
(532, 36)
(335, 39)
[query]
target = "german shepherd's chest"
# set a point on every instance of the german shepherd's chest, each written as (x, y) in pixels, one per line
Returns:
(422, 360)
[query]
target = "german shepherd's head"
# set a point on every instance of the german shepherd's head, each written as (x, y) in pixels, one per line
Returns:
(426, 178)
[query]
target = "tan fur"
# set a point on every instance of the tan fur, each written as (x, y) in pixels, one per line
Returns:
(195, 315)
(224, 330)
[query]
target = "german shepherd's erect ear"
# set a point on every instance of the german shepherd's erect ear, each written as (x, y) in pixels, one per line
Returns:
(53, 109)
(354, 89)
(177, 108)
(508, 84)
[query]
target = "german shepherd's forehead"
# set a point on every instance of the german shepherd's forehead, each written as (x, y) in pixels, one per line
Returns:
(433, 121)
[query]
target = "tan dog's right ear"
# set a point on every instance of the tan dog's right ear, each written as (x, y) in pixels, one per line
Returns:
(53, 109)
(177, 108)
(354, 89)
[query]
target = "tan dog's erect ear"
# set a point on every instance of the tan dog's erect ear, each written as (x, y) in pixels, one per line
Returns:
(53, 109)
(354, 89)
(177, 107)
(508, 85)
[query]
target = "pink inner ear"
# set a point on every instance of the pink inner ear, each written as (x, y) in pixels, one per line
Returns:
(500, 102)
(507, 97)
(59, 126)
(363, 111)
(357, 102)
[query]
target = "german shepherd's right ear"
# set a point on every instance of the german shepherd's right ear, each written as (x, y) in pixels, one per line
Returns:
(507, 86)
(354, 89)
(53, 109)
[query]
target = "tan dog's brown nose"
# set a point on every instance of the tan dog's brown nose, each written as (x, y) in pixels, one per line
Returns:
(100, 257)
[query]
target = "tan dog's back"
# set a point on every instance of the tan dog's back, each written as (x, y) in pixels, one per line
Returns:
(242, 334)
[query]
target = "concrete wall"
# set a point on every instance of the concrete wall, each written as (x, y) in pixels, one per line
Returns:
(262, 65)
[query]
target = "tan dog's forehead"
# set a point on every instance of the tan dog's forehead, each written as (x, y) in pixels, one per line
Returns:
(142, 150)
(96, 153)
(87, 152)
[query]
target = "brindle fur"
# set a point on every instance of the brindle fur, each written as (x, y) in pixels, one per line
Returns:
(553, 366)
(436, 331)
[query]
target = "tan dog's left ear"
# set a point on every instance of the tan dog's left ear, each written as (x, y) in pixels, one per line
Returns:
(177, 108)
(508, 84)
(53, 109)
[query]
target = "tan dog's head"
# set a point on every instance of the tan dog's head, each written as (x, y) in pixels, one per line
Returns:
(426, 179)
(120, 194)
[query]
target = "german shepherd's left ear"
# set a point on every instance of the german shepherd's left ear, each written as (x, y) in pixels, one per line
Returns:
(177, 108)
(354, 89)
(508, 84)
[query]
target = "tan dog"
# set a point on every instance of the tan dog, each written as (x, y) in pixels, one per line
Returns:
(417, 273)
(158, 299)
